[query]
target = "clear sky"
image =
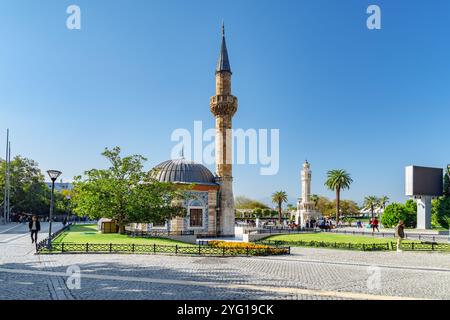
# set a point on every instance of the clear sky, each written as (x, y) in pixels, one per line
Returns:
(342, 96)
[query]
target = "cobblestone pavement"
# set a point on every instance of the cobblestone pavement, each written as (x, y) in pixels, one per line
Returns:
(308, 273)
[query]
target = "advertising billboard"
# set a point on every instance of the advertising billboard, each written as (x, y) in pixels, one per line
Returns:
(423, 181)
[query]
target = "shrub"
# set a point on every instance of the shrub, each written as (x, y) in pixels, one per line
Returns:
(394, 213)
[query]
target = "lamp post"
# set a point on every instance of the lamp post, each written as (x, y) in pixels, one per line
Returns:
(53, 174)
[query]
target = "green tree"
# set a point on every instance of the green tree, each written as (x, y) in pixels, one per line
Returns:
(397, 211)
(126, 193)
(348, 207)
(314, 198)
(393, 214)
(440, 212)
(338, 180)
(257, 213)
(279, 198)
(29, 193)
(383, 201)
(447, 182)
(371, 202)
(325, 206)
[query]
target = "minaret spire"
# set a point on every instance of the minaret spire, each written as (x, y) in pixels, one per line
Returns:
(223, 63)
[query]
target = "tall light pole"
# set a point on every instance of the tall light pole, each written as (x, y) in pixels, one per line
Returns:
(53, 174)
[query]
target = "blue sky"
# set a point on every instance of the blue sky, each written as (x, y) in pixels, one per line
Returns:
(342, 96)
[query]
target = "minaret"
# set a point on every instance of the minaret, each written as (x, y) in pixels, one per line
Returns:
(223, 106)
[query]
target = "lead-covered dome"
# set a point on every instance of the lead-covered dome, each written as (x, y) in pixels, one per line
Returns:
(183, 171)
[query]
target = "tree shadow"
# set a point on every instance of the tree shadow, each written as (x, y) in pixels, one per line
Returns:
(125, 281)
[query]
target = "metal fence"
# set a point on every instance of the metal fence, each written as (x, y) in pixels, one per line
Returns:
(200, 250)
(157, 233)
(277, 230)
(44, 243)
(407, 246)
(410, 236)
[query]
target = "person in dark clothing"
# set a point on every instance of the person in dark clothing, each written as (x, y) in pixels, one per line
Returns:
(35, 226)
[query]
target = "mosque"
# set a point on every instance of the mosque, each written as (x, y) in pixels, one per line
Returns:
(210, 210)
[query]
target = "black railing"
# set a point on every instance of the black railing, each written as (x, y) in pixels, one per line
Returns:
(385, 234)
(44, 243)
(407, 246)
(275, 230)
(157, 233)
(201, 250)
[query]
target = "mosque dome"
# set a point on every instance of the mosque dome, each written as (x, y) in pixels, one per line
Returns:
(183, 171)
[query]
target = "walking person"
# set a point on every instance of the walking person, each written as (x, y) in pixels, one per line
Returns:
(35, 226)
(375, 225)
(400, 234)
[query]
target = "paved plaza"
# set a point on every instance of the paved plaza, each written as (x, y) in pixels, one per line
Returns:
(306, 274)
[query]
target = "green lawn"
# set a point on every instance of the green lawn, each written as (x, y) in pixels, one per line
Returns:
(330, 237)
(88, 234)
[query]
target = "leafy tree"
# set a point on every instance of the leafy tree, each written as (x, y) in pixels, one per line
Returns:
(440, 212)
(126, 193)
(396, 212)
(29, 193)
(348, 207)
(315, 198)
(371, 202)
(278, 198)
(383, 201)
(447, 183)
(257, 213)
(325, 206)
(267, 213)
(393, 214)
(338, 180)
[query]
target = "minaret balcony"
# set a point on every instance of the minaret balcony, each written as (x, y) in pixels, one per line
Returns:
(223, 105)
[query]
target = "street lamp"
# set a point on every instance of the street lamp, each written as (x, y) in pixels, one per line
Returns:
(53, 174)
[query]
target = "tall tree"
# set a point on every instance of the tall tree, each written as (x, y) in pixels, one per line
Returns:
(371, 202)
(278, 198)
(126, 193)
(383, 201)
(314, 198)
(29, 194)
(338, 180)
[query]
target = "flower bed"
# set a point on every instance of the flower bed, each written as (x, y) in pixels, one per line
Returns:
(239, 248)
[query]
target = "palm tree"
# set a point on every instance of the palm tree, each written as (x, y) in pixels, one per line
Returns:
(383, 201)
(371, 202)
(278, 198)
(314, 198)
(338, 180)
